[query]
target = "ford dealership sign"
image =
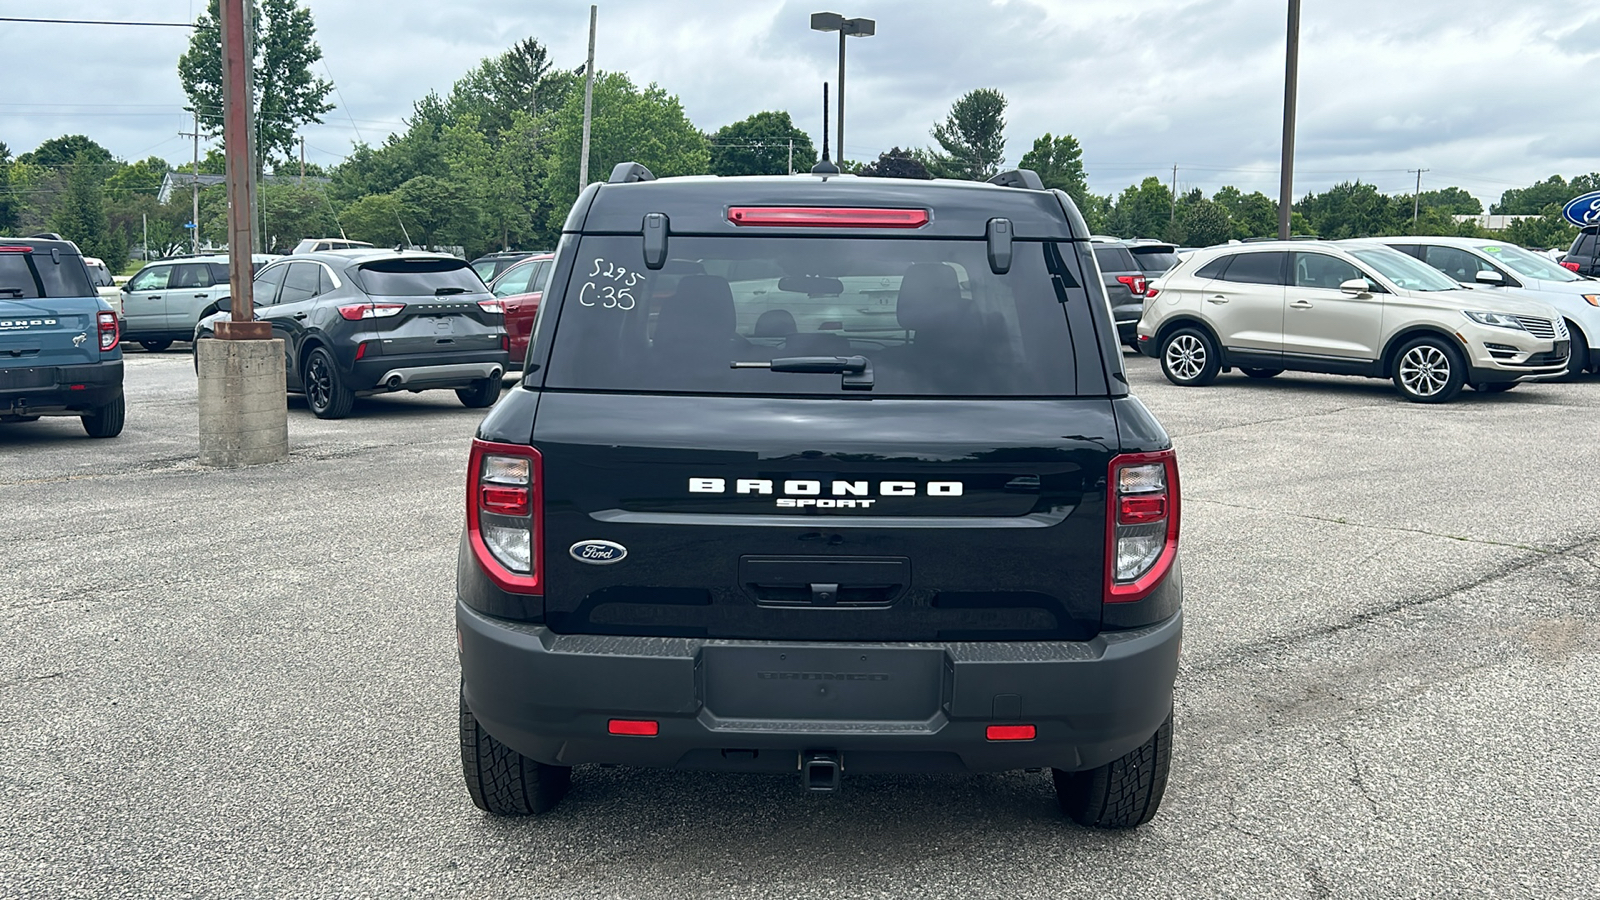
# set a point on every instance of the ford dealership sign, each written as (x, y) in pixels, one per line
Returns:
(1583, 210)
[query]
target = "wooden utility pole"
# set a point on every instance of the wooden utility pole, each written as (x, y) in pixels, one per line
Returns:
(238, 146)
(1416, 196)
(1291, 77)
(588, 103)
(194, 186)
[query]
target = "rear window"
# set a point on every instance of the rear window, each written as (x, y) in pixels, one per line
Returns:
(418, 278)
(1584, 245)
(1155, 260)
(26, 276)
(1115, 259)
(930, 318)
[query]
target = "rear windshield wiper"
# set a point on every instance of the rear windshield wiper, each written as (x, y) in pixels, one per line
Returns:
(17, 291)
(857, 370)
(440, 292)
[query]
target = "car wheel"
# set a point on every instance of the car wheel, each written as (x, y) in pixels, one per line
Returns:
(155, 346)
(503, 781)
(1494, 387)
(106, 421)
(1123, 793)
(1261, 373)
(1578, 361)
(326, 393)
(1428, 370)
(481, 395)
(1189, 358)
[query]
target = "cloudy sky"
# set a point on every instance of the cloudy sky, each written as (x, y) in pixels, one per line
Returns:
(1487, 94)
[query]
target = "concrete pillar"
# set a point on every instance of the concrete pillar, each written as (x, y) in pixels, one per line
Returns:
(244, 412)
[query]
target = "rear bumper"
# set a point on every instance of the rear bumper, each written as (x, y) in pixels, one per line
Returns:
(755, 706)
(59, 390)
(423, 372)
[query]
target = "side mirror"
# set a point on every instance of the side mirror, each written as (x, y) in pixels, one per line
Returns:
(225, 304)
(1356, 287)
(125, 288)
(1489, 277)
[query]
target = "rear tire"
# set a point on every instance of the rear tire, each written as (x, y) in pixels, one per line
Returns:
(481, 395)
(1429, 370)
(1123, 793)
(326, 393)
(155, 346)
(106, 422)
(1189, 358)
(1261, 373)
(501, 780)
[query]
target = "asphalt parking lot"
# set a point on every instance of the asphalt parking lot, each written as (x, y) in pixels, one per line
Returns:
(243, 683)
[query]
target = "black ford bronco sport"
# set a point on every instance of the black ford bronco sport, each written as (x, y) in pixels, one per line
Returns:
(825, 475)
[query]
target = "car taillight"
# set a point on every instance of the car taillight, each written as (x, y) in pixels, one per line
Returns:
(1565, 264)
(505, 514)
(492, 306)
(1151, 293)
(1134, 283)
(355, 312)
(106, 322)
(1141, 523)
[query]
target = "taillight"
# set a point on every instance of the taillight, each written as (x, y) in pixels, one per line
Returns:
(1141, 523)
(505, 514)
(106, 322)
(492, 306)
(355, 312)
(1134, 283)
(1566, 264)
(505, 342)
(1151, 293)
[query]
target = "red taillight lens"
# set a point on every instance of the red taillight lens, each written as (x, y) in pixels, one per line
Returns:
(492, 306)
(634, 727)
(1565, 264)
(1011, 732)
(1134, 283)
(355, 312)
(106, 324)
(505, 514)
(15, 248)
(1141, 523)
(505, 342)
(827, 217)
(1152, 292)
(361, 350)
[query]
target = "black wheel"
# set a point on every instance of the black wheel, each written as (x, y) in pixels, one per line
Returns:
(195, 349)
(481, 395)
(326, 393)
(503, 781)
(155, 346)
(1429, 370)
(1578, 362)
(106, 422)
(1494, 387)
(1261, 373)
(1123, 793)
(1189, 358)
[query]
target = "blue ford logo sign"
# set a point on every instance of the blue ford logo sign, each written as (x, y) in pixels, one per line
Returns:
(598, 553)
(1584, 210)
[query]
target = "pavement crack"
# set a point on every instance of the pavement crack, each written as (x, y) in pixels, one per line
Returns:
(1356, 777)
(33, 679)
(1398, 528)
(1294, 418)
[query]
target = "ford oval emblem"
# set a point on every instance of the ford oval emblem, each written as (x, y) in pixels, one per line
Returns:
(1584, 210)
(598, 553)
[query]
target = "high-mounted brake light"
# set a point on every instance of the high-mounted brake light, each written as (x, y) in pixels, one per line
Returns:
(106, 324)
(1134, 283)
(827, 217)
(505, 514)
(355, 312)
(1141, 523)
(15, 248)
(1565, 264)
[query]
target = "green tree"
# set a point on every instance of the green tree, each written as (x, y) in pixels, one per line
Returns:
(8, 200)
(896, 163)
(1144, 210)
(374, 218)
(1536, 199)
(291, 212)
(973, 137)
(760, 145)
(1201, 223)
(1544, 232)
(436, 211)
(81, 215)
(142, 177)
(629, 125)
(1353, 209)
(513, 82)
(1059, 162)
(67, 150)
(1451, 201)
(1251, 215)
(287, 94)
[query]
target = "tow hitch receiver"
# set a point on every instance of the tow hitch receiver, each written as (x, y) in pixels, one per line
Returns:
(819, 770)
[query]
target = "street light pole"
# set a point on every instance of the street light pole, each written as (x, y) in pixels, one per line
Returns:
(827, 21)
(1291, 78)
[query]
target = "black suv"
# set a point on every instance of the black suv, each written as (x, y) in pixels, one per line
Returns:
(362, 322)
(828, 475)
(1584, 255)
(59, 347)
(1125, 284)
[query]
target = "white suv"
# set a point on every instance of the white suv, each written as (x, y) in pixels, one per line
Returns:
(1499, 266)
(1352, 308)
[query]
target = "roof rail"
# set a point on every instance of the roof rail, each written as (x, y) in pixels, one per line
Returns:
(628, 173)
(1019, 178)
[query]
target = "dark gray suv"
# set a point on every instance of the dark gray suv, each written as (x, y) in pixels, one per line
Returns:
(1125, 283)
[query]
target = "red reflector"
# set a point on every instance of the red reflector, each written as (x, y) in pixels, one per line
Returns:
(504, 501)
(635, 727)
(1142, 508)
(1569, 265)
(826, 217)
(78, 387)
(361, 349)
(1011, 732)
(505, 342)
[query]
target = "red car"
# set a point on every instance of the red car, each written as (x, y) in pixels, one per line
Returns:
(519, 289)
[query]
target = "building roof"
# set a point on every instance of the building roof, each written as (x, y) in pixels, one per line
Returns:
(184, 180)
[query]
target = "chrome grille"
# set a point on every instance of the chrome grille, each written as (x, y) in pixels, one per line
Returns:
(1539, 328)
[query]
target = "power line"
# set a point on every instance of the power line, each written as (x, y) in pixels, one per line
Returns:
(98, 22)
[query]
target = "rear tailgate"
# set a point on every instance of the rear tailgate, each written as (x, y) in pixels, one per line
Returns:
(773, 518)
(430, 305)
(48, 332)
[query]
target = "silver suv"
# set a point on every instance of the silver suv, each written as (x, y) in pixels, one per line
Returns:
(1352, 308)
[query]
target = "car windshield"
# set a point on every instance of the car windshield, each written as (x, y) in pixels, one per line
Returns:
(1528, 265)
(418, 278)
(928, 316)
(1406, 272)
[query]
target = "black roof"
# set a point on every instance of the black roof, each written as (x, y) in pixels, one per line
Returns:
(699, 205)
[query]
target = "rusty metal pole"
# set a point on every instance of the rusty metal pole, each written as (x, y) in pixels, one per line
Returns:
(238, 149)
